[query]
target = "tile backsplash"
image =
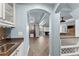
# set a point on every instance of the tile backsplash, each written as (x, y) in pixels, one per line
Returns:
(2, 33)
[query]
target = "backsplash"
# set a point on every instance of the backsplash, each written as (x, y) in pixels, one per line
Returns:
(2, 33)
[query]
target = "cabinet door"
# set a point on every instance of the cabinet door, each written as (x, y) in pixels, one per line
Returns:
(14, 53)
(3, 13)
(1, 9)
(8, 11)
(18, 51)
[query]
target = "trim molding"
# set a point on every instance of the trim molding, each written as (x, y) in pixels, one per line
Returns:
(28, 50)
(49, 54)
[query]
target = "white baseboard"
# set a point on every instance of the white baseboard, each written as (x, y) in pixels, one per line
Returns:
(28, 50)
(49, 54)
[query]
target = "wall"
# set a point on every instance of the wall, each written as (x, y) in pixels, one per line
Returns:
(21, 23)
(77, 28)
(46, 29)
(75, 14)
(54, 35)
(31, 30)
(42, 33)
(22, 26)
(37, 30)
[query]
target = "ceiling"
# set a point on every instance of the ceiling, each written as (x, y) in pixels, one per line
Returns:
(36, 16)
(66, 8)
(39, 16)
(67, 11)
(69, 7)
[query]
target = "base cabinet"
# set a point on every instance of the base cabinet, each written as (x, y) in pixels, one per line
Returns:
(18, 51)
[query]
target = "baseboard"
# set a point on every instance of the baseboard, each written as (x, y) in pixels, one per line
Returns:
(49, 54)
(28, 50)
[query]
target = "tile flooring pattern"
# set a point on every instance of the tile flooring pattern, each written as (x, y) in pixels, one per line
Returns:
(39, 46)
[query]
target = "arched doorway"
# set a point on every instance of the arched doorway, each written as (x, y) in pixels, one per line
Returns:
(38, 32)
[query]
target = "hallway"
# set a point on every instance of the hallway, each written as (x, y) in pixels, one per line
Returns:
(39, 46)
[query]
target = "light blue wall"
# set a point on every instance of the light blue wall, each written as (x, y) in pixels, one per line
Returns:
(21, 26)
(54, 35)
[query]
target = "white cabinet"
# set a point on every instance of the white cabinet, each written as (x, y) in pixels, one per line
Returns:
(7, 14)
(1, 9)
(63, 28)
(18, 51)
(8, 11)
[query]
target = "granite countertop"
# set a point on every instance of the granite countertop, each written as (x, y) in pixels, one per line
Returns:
(15, 41)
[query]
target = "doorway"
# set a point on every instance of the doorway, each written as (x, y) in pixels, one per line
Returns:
(38, 32)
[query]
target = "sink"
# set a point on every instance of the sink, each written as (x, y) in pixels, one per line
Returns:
(6, 47)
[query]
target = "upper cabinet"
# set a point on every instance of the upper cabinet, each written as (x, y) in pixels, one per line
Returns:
(1, 9)
(63, 28)
(7, 14)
